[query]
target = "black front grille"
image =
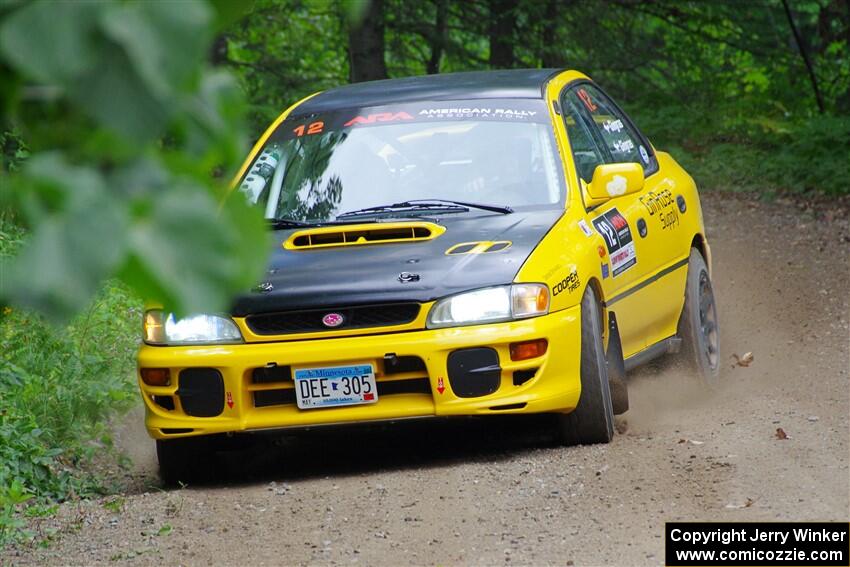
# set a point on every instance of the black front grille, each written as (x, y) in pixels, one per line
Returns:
(310, 321)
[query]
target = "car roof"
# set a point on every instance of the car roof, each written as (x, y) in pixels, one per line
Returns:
(513, 83)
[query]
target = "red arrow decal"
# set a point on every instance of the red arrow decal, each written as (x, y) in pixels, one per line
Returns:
(441, 387)
(229, 400)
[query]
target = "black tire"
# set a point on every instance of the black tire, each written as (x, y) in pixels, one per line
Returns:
(698, 326)
(593, 419)
(186, 460)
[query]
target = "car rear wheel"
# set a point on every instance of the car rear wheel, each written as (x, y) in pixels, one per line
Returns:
(593, 419)
(186, 460)
(698, 326)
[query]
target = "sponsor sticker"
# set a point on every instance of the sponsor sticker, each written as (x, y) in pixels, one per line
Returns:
(585, 228)
(623, 146)
(643, 154)
(617, 186)
(612, 126)
(379, 117)
(661, 203)
(588, 102)
(615, 230)
(569, 283)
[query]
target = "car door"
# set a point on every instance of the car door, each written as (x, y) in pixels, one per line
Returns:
(632, 242)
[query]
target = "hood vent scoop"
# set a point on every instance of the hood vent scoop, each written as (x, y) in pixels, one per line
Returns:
(361, 234)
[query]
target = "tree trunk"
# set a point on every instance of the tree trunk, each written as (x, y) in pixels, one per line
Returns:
(366, 45)
(218, 50)
(502, 24)
(550, 55)
(805, 55)
(438, 37)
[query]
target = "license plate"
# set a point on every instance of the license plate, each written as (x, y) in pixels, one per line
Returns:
(335, 386)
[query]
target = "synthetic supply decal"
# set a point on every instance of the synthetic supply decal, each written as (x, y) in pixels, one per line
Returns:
(661, 203)
(618, 238)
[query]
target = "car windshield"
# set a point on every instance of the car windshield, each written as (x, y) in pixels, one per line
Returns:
(493, 152)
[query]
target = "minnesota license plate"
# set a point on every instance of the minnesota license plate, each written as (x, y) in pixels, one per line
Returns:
(335, 386)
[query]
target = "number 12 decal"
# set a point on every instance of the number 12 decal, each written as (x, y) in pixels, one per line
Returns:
(314, 128)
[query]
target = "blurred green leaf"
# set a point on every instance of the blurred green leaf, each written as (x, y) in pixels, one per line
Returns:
(141, 200)
(119, 99)
(355, 11)
(228, 12)
(77, 241)
(185, 253)
(164, 41)
(72, 49)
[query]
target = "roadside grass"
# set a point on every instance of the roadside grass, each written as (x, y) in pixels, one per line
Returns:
(58, 388)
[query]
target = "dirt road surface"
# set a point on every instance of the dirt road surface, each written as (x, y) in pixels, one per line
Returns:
(499, 492)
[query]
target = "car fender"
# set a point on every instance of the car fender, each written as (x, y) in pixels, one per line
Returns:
(567, 261)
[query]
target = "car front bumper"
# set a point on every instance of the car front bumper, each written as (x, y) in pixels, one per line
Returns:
(547, 383)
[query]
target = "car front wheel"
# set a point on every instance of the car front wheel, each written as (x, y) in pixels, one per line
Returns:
(592, 421)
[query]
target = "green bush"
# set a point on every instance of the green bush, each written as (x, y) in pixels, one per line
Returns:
(58, 387)
(742, 151)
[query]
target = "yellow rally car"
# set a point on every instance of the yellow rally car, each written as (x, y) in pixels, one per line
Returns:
(459, 244)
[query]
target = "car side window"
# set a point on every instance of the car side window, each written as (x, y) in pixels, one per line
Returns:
(586, 152)
(622, 142)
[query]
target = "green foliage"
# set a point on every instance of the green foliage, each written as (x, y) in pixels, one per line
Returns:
(721, 84)
(58, 387)
(13, 151)
(737, 151)
(102, 195)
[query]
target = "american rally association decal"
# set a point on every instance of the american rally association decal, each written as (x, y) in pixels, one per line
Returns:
(618, 238)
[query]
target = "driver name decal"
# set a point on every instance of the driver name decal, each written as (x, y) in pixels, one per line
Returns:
(618, 239)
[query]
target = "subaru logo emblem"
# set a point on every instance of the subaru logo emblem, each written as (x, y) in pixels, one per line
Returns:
(333, 320)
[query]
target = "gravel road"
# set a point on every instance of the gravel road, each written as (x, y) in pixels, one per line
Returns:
(499, 492)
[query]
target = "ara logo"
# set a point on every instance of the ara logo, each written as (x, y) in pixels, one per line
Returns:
(618, 221)
(380, 117)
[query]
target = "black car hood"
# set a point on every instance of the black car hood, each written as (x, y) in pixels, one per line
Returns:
(353, 275)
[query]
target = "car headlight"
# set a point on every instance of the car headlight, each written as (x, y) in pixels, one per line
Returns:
(490, 305)
(163, 329)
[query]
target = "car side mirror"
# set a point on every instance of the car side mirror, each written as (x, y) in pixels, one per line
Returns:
(613, 180)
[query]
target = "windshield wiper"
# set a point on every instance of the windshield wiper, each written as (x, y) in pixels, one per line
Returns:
(404, 207)
(284, 222)
(279, 223)
(504, 209)
(443, 205)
